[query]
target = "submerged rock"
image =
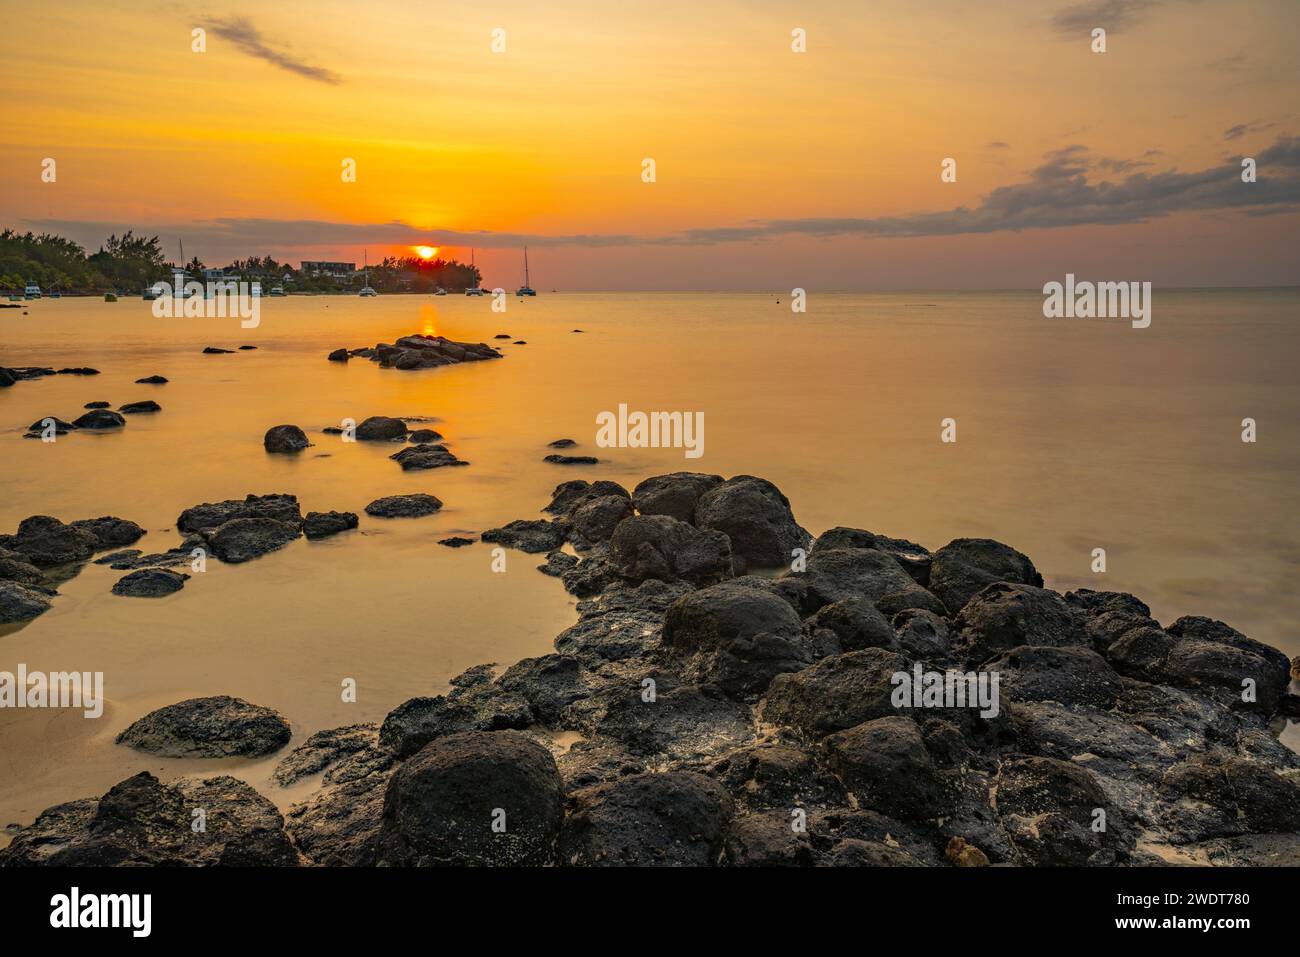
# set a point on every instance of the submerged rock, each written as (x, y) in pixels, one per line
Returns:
(148, 405)
(152, 380)
(111, 531)
(425, 456)
(150, 583)
(99, 420)
(319, 525)
(572, 459)
(244, 539)
(19, 603)
(215, 727)
(415, 505)
(456, 541)
(45, 541)
(528, 535)
(282, 508)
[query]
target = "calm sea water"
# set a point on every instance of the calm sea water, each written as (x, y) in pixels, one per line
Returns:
(1071, 435)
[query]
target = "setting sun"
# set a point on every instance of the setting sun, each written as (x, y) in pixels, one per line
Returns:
(426, 252)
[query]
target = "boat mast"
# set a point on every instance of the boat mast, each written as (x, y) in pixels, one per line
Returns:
(527, 284)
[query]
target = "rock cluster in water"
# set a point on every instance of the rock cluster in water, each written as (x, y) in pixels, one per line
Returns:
(732, 682)
(419, 352)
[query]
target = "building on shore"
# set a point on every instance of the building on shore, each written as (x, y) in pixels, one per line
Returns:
(333, 270)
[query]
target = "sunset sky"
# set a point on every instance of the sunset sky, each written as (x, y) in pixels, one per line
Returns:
(774, 168)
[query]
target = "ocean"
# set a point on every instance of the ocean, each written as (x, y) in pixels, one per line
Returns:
(1071, 435)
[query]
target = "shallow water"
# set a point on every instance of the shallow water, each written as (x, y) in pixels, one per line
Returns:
(1072, 435)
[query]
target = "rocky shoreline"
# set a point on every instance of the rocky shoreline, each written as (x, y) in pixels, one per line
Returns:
(727, 696)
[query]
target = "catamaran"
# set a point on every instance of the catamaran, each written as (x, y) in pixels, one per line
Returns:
(525, 289)
(33, 291)
(366, 290)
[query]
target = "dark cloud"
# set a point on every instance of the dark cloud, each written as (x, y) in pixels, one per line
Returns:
(1066, 189)
(1114, 16)
(242, 33)
(1234, 132)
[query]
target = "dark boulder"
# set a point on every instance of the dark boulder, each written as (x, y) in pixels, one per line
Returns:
(285, 438)
(477, 798)
(836, 693)
(152, 380)
(474, 703)
(1005, 616)
(150, 583)
(962, 568)
(282, 508)
(339, 355)
(548, 684)
(568, 496)
(595, 520)
(244, 539)
(1048, 808)
(143, 822)
(416, 458)
(856, 624)
(415, 505)
(674, 495)
(840, 573)
(670, 819)
(110, 531)
(46, 541)
(1213, 657)
(133, 408)
(215, 727)
(19, 603)
(1070, 676)
(323, 524)
(528, 535)
(658, 546)
(914, 558)
(754, 514)
(737, 637)
(885, 765)
(572, 460)
(99, 420)
(381, 428)
(1218, 794)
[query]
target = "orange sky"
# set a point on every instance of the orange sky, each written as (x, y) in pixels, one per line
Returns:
(238, 149)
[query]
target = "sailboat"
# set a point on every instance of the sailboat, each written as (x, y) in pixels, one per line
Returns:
(366, 290)
(525, 289)
(473, 290)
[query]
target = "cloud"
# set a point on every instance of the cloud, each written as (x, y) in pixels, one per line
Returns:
(241, 32)
(999, 145)
(1066, 189)
(1113, 15)
(1234, 132)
